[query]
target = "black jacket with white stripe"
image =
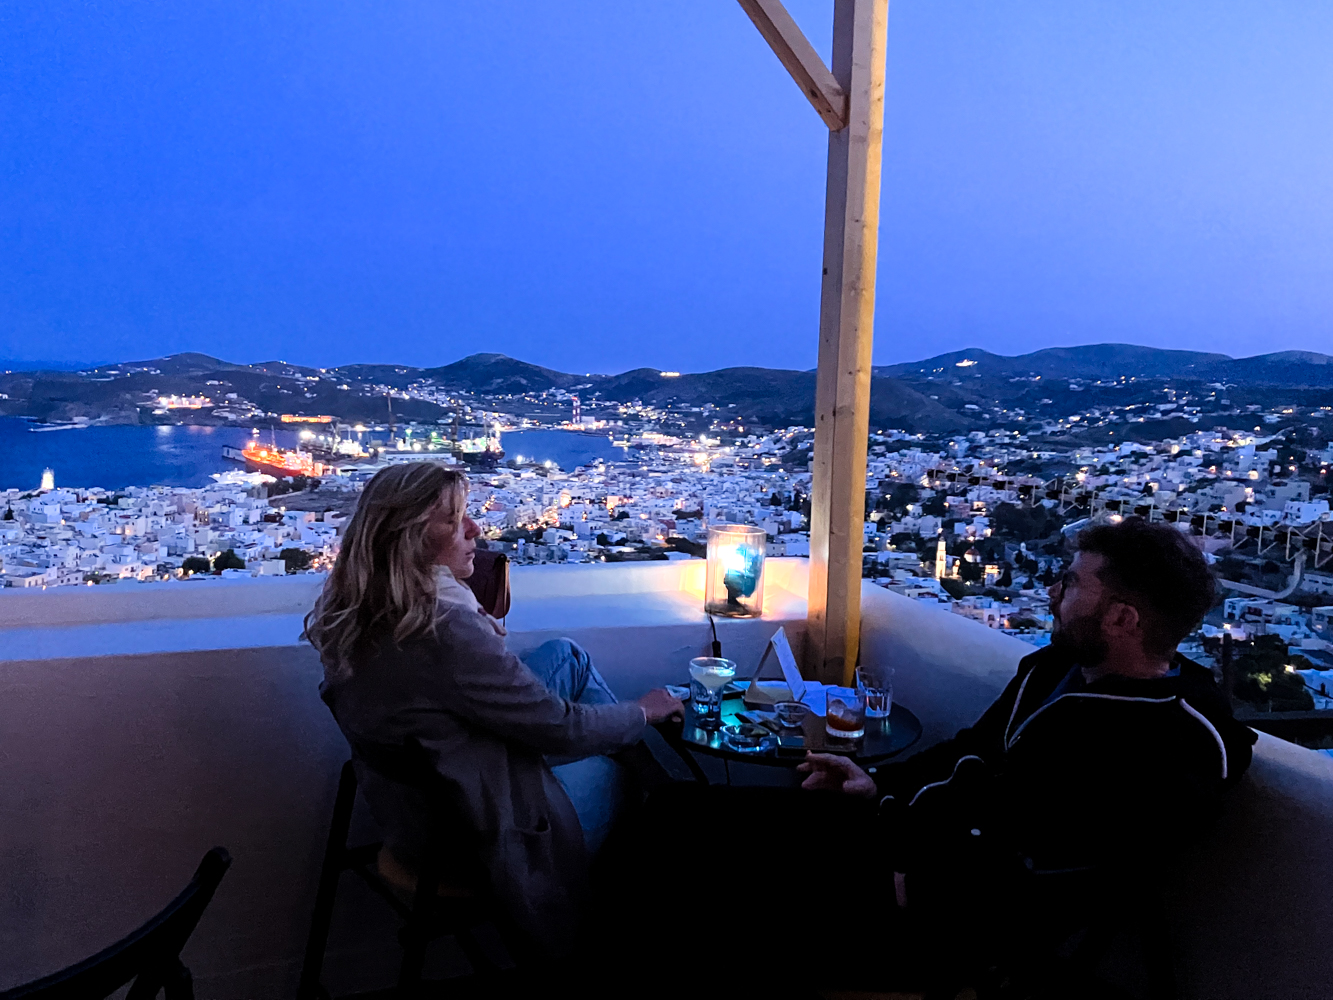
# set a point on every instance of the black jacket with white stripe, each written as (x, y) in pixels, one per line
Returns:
(1113, 773)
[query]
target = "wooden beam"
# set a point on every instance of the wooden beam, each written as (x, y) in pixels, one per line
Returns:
(795, 52)
(846, 321)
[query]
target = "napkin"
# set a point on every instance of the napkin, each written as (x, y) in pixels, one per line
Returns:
(765, 694)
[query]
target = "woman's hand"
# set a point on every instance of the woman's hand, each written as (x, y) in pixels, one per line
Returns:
(658, 706)
(829, 772)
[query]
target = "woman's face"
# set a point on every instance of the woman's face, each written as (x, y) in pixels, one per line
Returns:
(455, 541)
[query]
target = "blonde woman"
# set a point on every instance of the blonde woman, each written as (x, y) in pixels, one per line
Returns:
(408, 652)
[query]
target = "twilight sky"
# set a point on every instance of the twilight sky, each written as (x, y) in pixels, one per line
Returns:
(596, 185)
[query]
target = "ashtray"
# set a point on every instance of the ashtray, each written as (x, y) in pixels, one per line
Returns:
(791, 714)
(681, 692)
(746, 737)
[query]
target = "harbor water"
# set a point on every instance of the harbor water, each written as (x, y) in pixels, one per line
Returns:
(183, 455)
(567, 449)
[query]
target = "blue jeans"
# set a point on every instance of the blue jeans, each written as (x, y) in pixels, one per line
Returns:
(595, 785)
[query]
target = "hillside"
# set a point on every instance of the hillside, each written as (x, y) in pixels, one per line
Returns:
(497, 374)
(777, 397)
(944, 394)
(1112, 361)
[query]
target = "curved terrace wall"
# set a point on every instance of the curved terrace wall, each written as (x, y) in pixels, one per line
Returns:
(121, 770)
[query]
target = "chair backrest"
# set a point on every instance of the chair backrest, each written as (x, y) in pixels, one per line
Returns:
(405, 763)
(150, 956)
(408, 764)
(490, 581)
(1089, 908)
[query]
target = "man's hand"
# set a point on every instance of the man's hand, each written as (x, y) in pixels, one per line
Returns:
(658, 706)
(829, 772)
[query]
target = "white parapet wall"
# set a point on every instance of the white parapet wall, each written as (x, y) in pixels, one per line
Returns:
(1239, 896)
(210, 613)
(947, 668)
(142, 724)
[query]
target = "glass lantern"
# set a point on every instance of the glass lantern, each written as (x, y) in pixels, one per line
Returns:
(735, 584)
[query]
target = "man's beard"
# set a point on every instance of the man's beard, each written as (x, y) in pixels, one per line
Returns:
(1081, 639)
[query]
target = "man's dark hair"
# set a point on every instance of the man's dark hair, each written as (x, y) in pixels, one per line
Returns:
(1159, 571)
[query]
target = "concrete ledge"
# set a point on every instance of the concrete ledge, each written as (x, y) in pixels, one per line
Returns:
(212, 613)
(145, 723)
(1241, 896)
(948, 668)
(199, 597)
(159, 635)
(121, 770)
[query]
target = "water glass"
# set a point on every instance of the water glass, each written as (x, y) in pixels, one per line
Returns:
(791, 714)
(876, 684)
(845, 713)
(700, 699)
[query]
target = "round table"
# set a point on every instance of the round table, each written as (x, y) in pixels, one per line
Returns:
(884, 738)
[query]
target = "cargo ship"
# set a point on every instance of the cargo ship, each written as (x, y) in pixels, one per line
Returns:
(275, 461)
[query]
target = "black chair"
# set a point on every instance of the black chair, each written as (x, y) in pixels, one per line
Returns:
(150, 957)
(671, 733)
(1141, 913)
(1084, 912)
(436, 910)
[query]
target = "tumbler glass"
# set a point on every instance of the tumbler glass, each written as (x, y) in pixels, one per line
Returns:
(845, 715)
(876, 683)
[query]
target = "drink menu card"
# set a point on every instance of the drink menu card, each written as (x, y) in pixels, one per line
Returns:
(809, 692)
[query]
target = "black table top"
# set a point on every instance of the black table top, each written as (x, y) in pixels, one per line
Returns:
(884, 738)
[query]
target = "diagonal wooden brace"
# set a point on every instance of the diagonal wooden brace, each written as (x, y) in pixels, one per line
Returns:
(796, 53)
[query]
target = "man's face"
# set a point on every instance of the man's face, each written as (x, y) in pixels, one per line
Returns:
(1079, 603)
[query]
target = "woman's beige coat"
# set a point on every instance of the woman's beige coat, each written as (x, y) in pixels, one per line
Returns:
(489, 723)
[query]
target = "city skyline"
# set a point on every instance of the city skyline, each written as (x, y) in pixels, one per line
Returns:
(627, 187)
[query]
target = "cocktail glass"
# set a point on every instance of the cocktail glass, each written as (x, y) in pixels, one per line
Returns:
(710, 675)
(845, 714)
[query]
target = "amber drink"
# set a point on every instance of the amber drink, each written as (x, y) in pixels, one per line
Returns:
(845, 714)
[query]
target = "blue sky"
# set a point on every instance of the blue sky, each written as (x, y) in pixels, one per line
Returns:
(598, 185)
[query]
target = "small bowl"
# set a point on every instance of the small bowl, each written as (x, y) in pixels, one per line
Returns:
(746, 737)
(791, 714)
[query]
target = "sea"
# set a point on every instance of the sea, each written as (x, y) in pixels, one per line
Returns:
(183, 455)
(567, 449)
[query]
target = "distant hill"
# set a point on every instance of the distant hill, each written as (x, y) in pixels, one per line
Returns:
(1298, 357)
(1290, 368)
(188, 363)
(395, 375)
(778, 397)
(1105, 361)
(952, 392)
(499, 374)
(765, 395)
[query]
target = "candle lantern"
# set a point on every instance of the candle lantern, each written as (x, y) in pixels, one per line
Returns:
(735, 584)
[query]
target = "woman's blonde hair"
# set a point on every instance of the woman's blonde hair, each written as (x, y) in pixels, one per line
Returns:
(383, 583)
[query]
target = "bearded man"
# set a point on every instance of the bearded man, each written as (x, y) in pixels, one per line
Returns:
(1107, 752)
(1103, 758)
